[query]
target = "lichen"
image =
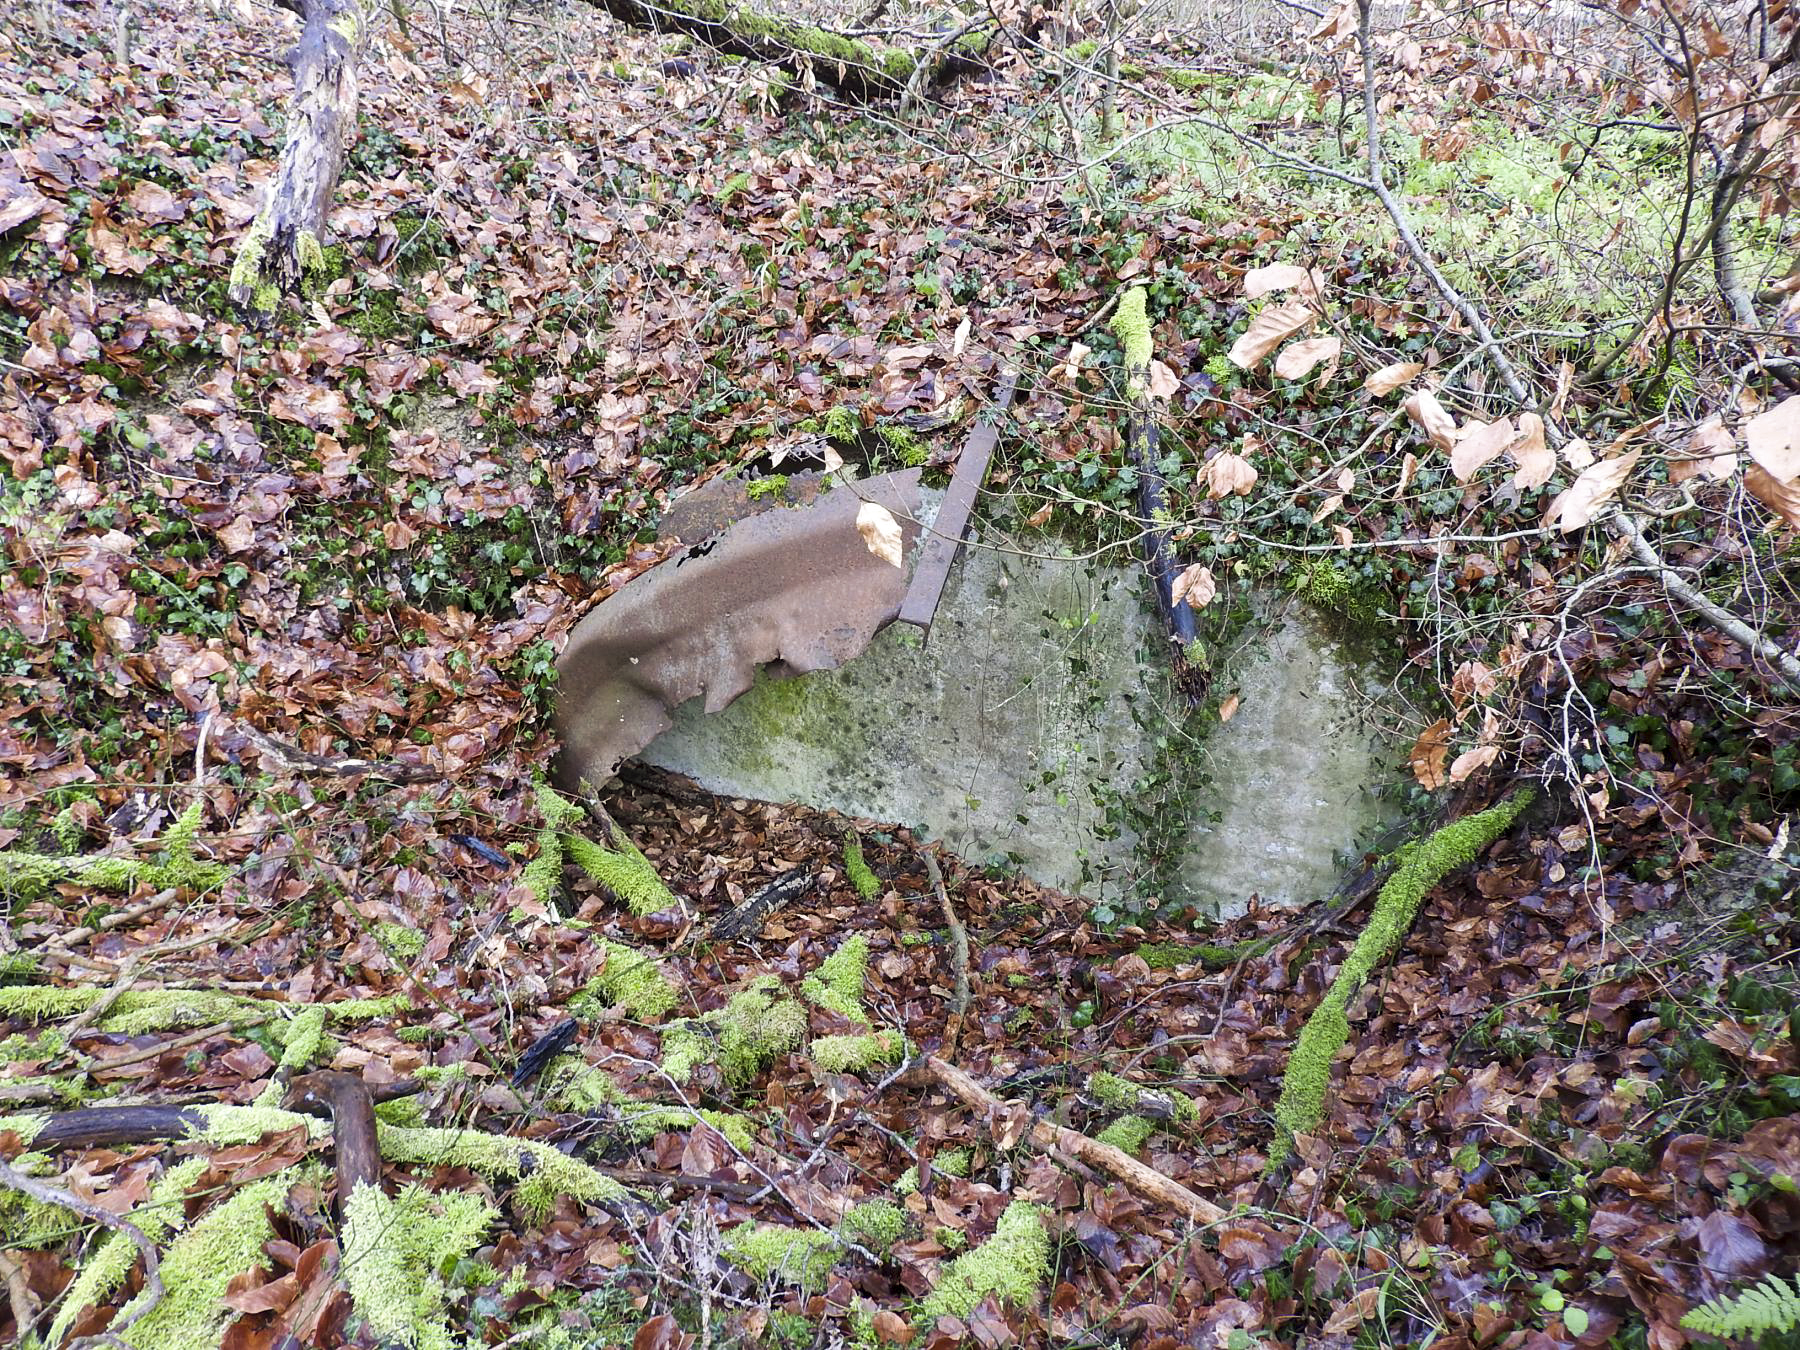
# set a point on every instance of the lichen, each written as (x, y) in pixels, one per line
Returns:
(838, 982)
(875, 1224)
(1131, 325)
(624, 871)
(841, 1054)
(393, 1251)
(1419, 867)
(158, 1218)
(756, 1026)
(857, 869)
(543, 1173)
(1011, 1265)
(632, 981)
(798, 1256)
(201, 1263)
(1129, 1133)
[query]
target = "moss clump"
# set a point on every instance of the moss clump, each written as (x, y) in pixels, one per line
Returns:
(1131, 325)
(305, 1038)
(1012, 1265)
(28, 875)
(1129, 1133)
(1121, 1094)
(624, 871)
(159, 1217)
(542, 1172)
(202, 1262)
(393, 1251)
(843, 423)
(572, 1084)
(645, 1120)
(225, 1125)
(400, 941)
(1419, 867)
(685, 1047)
(952, 1162)
(841, 1054)
(838, 982)
(903, 445)
(758, 1025)
(875, 1224)
(1172, 955)
(857, 869)
(1331, 590)
(31, 1224)
(25, 1124)
(247, 271)
(801, 1256)
(632, 981)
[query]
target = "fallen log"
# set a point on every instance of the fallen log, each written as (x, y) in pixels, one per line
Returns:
(344, 1098)
(283, 246)
(1058, 1139)
(860, 72)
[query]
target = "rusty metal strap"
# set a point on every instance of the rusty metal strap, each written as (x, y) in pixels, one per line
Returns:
(937, 551)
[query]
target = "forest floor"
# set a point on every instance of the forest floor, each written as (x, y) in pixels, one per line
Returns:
(565, 285)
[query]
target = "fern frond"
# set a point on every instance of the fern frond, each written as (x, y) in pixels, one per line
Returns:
(1773, 1305)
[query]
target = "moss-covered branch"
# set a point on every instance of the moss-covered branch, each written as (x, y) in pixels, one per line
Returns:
(28, 875)
(1420, 866)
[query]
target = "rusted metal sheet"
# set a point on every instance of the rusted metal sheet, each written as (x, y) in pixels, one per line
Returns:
(939, 549)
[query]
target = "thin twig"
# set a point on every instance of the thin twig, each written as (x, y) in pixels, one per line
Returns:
(959, 947)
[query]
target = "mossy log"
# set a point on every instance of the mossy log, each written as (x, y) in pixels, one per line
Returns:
(284, 245)
(860, 72)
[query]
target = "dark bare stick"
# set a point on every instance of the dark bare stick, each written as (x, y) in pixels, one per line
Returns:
(959, 948)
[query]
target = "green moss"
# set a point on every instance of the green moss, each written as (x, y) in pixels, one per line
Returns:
(758, 1025)
(875, 1224)
(952, 1162)
(393, 1251)
(1329, 589)
(400, 940)
(841, 1054)
(1121, 1094)
(304, 1039)
(903, 445)
(28, 875)
(543, 1173)
(247, 270)
(645, 1120)
(25, 1124)
(625, 872)
(1131, 325)
(158, 1218)
(1129, 1133)
(799, 1256)
(856, 868)
(195, 1271)
(225, 1125)
(685, 1047)
(1419, 867)
(843, 423)
(632, 981)
(772, 486)
(572, 1084)
(1012, 1265)
(838, 982)
(30, 1224)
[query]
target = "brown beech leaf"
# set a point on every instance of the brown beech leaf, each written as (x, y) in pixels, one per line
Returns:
(1578, 454)
(1228, 709)
(661, 1332)
(1429, 753)
(1390, 378)
(1163, 381)
(1773, 439)
(1353, 1312)
(1781, 498)
(1477, 444)
(891, 1328)
(1711, 453)
(1578, 504)
(1299, 359)
(1260, 281)
(1535, 458)
(1268, 330)
(1226, 473)
(1409, 468)
(1431, 418)
(1195, 585)
(880, 531)
(1472, 761)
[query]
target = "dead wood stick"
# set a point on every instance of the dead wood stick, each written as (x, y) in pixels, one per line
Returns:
(18, 1294)
(95, 1011)
(1117, 1163)
(959, 950)
(639, 1176)
(49, 1195)
(346, 1100)
(114, 920)
(94, 1064)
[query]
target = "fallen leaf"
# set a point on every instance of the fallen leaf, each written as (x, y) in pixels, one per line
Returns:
(1577, 454)
(1431, 418)
(1327, 506)
(1390, 378)
(1298, 359)
(1470, 761)
(1711, 454)
(1578, 504)
(1354, 1312)
(1228, 709)
(890, 1328)
(1773, 439)
(1533, 455)
(1429, 753)
(962, 337)
(1409, 468)
(1196, 586)
(1226, 473)
(880, 531)
(23, 206)
(1078, 353)
(1164, 383)
(1268, 330)
(1781, 498)
(1260, 281)
(1477, 443)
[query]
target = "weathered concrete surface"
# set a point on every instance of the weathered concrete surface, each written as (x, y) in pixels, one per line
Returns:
(1019, 735)
(1295, 774)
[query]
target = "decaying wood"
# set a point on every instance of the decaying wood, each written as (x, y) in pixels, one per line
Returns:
(345, 1098)
(92, 1126)
(305, 761)
(649, 1180)
(1141, 440)
(1058, 1139)
(959, 953)
(748, 918)
(284, 244)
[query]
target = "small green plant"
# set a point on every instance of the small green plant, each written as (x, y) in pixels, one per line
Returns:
(1773, 1305)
